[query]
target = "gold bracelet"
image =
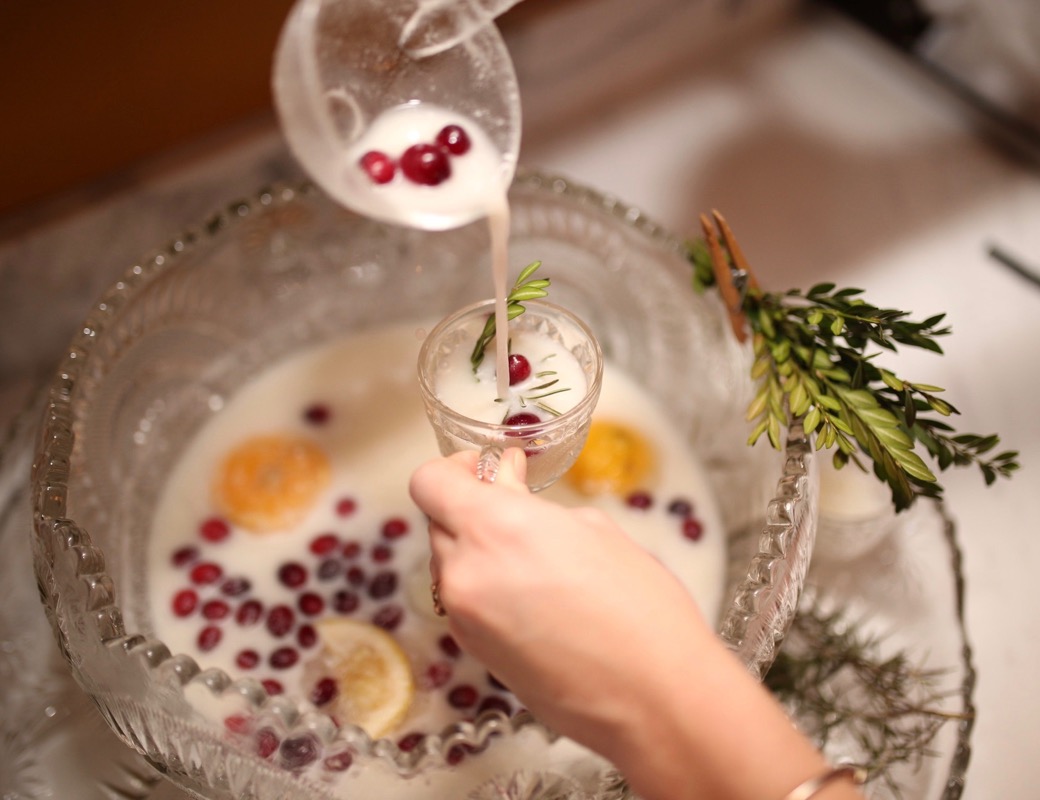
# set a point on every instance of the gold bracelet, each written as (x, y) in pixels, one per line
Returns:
(810, 788)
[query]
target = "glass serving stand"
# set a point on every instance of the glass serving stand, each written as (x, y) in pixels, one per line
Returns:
(266, 277)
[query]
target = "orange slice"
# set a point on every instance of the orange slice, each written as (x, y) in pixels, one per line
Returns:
(615, 459)
(374, 676)
(269, 483)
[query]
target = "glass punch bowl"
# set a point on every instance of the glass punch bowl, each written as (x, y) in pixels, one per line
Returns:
(289, 269)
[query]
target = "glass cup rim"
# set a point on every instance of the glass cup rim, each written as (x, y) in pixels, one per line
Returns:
(497, 429)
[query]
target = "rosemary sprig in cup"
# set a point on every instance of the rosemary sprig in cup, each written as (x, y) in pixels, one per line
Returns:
(815, 355)
(524, 288)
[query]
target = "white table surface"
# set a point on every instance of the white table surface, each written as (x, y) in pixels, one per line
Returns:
(834, 159)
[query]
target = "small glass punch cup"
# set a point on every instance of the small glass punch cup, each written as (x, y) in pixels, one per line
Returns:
(551, 444)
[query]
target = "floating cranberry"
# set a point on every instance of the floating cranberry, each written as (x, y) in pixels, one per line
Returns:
(410, 741)
(209, 637)
(284, 657)
(238, 723)
(307, 636)
(346, 506)
(355, 576)
(249, 612)
(381, 553)
(351, 550)
(214, 529)
(680, 507)
(247, 659)
(455, 755)
(292, 575)
(184, 555)
(235, 587)
(317, 414)
(345, 601)
(388, 617)
(280, 620)
(395, 528)
(324, 691)
(519, 368)
(425, 164)
(338, 762)
(310, 604)
(272, 687)
(692, 529)
(266, 742)
(299, 751)
(454, 139)
(206, 573)
(494, 702)
(378, 166)
(463, 696)
(383, 585)
(639, 499)
(437, 675)
(522, 418)
(184, 602)
(215, 609)
(323, 544)
(328, 569)
(449, 646)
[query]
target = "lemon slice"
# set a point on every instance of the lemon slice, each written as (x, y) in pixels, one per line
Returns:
(615, 459)
(269, 483)
(373, 674)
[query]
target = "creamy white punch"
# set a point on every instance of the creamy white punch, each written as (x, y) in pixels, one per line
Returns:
(316, 580)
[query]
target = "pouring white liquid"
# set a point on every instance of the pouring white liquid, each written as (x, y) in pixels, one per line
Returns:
(473, 188)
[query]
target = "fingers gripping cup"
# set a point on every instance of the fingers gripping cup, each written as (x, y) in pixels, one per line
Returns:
(555, 369)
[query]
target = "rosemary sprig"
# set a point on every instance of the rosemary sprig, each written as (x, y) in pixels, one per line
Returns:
(524, 289)
(814, 360)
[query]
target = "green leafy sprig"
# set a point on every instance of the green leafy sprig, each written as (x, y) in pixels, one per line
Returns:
(525, 288)
(815, 358)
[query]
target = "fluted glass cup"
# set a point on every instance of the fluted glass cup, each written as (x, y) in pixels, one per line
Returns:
(552, 444)
(187, 327)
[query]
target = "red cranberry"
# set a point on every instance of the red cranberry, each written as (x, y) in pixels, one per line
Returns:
(272, 687)
(519, 368)
(680, 507)
(307, 636)
(346, 506)
(639, 499)
(351, 550)
(692, 529)
(266, 742)
(383, 585)
(283, 658)
(214, 529)
(292, 575)
(355, 576)
(338, 762)
(209, 637)
(410, 741)
(324, 544)
(449, 646)
(184, 602)
(324, 691)
(345, 601)
(280, 620)
(249, 612)
(299, 751)
(388, 617)
(215, 609)
(328, 569)
(463, 696)
(317, 414)
(455, 755)
(310, 604)
(381, 553)
(238, 723)
(437, 675)
(494, 702)
(522, 418)
(184, 555)
(425, 164)
(234, 587)
(378, 166)
(395, 528)
(454, 139)
(247, 659)
(206, 573)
